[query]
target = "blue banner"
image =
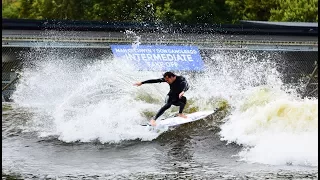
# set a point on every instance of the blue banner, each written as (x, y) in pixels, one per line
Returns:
(160, 57)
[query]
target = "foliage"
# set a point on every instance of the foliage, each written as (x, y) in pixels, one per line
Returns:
(10, 9)
(295, 10)
(274, 10)
(168, 11)
(251, 9)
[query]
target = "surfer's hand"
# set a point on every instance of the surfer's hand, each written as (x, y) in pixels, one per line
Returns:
(181, 94)
(137, 84)
(153, 122)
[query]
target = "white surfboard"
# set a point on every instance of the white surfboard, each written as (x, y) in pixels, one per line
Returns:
(177, 121)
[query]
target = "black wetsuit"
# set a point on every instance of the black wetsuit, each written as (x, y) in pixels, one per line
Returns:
(179, 85)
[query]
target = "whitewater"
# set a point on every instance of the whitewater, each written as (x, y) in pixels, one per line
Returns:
(76, 100)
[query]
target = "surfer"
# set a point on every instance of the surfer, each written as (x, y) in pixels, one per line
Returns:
(178, 86)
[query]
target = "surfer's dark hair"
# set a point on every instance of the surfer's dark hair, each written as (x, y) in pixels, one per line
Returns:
(169, 74)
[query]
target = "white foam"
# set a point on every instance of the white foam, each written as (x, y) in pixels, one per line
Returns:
(275, 128)
(96, 101)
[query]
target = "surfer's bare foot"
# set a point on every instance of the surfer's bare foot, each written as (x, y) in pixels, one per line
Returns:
(153, 122)
(182, 115)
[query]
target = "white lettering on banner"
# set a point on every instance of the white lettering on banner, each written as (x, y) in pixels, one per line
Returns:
(144, 57)
(189, 57)
(129, 57)
(164, 58)
(119, 50)
(158, 57)
(178, 51)
(179, 58)
(184, 57)
(170, 57)
(149, 56)
(156, 65)
(163, 51)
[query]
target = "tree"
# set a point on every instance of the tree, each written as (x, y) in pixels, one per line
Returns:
(36, 11)
(295, 10)
(10, 9)
(193, 12)
(25, 8)
(168, 11)
(274, 10)
(251, 9)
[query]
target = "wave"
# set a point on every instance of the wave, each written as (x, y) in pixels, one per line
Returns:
(82, 100)
(275, 127)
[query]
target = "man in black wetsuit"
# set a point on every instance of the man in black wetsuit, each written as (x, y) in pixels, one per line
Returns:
(178, 86)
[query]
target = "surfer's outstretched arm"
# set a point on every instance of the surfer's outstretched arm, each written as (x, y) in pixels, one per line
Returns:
(153, 81)
(150, 81)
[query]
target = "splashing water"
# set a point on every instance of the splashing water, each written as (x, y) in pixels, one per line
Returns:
(275, 128)
(85, 101)
(85, 104)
